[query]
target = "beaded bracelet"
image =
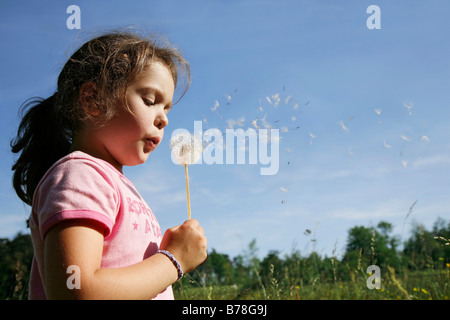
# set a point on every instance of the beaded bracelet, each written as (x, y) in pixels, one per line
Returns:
(174, 261)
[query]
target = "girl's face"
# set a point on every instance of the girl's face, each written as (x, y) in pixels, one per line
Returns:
(128, 138)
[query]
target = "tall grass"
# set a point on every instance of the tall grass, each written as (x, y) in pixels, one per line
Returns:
(432, 284)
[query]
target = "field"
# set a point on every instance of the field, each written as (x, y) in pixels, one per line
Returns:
(423, 285)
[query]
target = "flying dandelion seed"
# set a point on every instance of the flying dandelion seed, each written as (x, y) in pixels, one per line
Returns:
(295, 106)
(405, 137)
(378, 112)
(350, 152)
(215, 106)
(186, 149)
(264, 123)
(405, 163)
(293, 118)
(386, 145)
(288, 99)
(408, 106)
(276, 99)
(260, 108)
(424, 138)
(268, 100)
(312, 135)
(284, 189)
(284, 129)
(343, 127)
(255, 123)
(228, 97)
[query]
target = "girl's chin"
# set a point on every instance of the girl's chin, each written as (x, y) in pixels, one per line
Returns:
(141, 158)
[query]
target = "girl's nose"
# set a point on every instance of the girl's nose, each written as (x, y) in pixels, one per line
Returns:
(161, 120)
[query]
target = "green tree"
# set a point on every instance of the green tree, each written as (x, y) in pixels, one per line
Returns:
(423, 251)
(15, 263)
(368, 246)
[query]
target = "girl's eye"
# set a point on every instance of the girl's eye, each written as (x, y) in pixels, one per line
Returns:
(148, 102)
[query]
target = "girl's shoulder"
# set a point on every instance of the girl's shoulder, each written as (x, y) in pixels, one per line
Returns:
(79, 159)
(81, 166)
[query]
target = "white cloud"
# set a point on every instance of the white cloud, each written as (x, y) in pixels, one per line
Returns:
(365, 214)
(431, 161)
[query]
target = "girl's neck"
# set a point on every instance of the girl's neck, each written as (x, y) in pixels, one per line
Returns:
(88, 146)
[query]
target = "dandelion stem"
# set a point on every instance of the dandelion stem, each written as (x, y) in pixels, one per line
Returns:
(187, 191)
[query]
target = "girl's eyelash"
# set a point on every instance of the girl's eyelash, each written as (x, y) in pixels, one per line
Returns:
(148, 102)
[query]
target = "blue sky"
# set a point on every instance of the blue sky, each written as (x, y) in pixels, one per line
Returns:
(363, 114)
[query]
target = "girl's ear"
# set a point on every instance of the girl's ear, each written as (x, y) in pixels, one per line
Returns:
(88, 97)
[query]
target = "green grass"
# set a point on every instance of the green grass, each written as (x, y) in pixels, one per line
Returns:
(418, 285)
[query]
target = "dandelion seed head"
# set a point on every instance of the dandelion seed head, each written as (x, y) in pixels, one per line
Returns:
(186, 149)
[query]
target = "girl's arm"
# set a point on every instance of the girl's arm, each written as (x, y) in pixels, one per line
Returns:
(80, 243)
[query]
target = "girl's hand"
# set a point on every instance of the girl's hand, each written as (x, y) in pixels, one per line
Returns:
(187, 243)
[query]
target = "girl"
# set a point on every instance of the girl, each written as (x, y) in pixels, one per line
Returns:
(94, 237)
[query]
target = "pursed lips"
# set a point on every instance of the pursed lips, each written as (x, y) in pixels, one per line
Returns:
(152, 142)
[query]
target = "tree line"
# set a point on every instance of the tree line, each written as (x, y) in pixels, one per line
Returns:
(423, 250)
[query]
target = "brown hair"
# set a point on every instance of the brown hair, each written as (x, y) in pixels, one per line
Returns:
(111, 62)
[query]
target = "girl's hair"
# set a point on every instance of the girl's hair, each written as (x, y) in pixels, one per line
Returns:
(109, 62)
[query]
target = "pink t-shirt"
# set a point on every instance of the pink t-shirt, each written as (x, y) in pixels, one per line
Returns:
(80, 186)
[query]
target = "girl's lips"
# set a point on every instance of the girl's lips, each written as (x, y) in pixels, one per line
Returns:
(152, 143)
(155, 140)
